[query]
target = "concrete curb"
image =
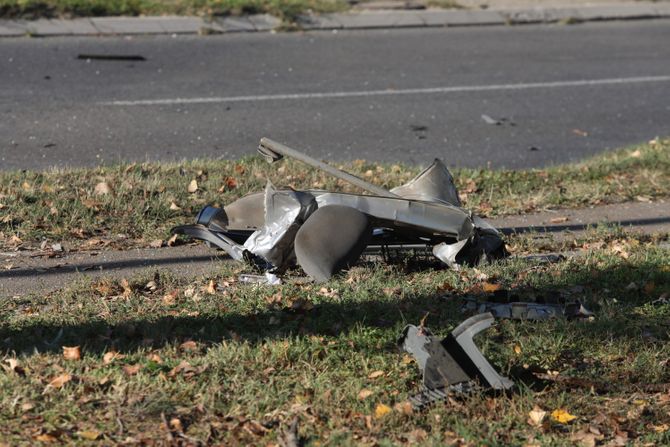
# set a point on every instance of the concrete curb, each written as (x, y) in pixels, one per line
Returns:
(104, 26)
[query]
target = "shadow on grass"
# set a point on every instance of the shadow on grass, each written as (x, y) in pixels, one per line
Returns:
(604, 291)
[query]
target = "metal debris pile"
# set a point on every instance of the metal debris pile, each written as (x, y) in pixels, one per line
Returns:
(326, 232)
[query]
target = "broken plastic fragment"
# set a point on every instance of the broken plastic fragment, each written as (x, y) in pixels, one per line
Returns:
(453, 364)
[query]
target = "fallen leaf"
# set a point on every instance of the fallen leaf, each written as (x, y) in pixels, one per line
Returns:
(170, 298)
(45, 437)
(158, 243)
(491, 287)
(404, 407)
(662, 428)
(562, 416)
(102, 189)
(110, 356)
(193, 186)
(127, 291)
(364, 394)
(131, 370)
(174, 207)
(188, 346)
(71, 352)
(27, 406)
(211, 287)
(536, 416)
(14, 367)
(517, 349)
(636, 153)
(90, 435)
(58, 382)
(562, 219)
(375, 374)
(382, 410)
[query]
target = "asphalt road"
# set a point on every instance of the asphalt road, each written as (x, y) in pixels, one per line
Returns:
(560, 93)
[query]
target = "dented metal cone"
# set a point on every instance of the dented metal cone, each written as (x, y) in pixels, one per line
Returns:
(453, 364)
(264, 228)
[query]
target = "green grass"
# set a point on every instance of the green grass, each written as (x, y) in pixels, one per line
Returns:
(261, 356)
(285, 9)
(144, 201)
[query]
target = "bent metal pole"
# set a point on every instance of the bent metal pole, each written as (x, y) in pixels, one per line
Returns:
(274, 151)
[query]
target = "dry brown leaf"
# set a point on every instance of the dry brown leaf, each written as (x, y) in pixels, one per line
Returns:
(158, 243)
(46, 437)
(536, 416)
(375, 374)
(491, 287)
(71, 352)
(364, 394)
(102, 189)
(404, 407)
(562, 219)
(174, 207)
(193, 186)
(188, 346)
(210, 288)
(170, 298)
(110, 356)
(127, 291)
(381, 410)
(131, 370)
(517, 349)
(59, 381)
(90, 435)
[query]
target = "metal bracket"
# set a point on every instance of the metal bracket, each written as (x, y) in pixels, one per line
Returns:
(454, 363)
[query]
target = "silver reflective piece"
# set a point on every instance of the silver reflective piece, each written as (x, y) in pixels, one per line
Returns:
(424, 211)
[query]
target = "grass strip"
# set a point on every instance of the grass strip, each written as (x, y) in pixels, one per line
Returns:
(155, 357)
(285, 9)
(134, 204)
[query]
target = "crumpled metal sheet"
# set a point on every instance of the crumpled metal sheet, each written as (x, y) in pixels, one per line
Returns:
(285, 211)
(433, 184)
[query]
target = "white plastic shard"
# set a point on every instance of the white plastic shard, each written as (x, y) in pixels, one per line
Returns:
(433, 184)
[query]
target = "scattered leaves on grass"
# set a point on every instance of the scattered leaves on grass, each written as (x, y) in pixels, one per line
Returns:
(71, 352)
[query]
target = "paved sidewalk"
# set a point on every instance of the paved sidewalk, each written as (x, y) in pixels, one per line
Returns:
(497, 12)
(31, 272)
